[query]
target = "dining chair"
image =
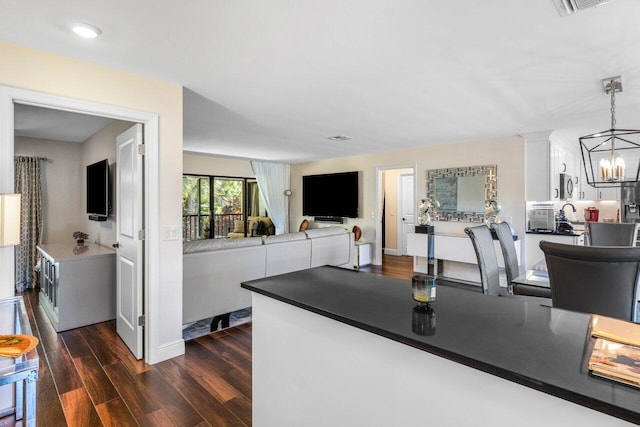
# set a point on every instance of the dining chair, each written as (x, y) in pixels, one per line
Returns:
(486, 256)
(505, 237)
(612, 233)
(594, 279)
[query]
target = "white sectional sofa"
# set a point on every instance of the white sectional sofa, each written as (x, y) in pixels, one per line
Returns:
(213, 269)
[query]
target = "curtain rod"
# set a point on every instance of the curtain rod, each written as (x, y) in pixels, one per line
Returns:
(34, 157)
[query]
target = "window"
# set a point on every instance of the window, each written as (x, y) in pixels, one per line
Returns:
(195, 207)
(232, 198)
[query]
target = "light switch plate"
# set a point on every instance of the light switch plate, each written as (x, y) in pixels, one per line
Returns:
(171, 232)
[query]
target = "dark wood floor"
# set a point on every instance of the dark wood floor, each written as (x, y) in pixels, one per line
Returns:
(400, 267)
(89, 378)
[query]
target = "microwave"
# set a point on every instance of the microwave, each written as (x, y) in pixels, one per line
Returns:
(566, 186)
(542, 220)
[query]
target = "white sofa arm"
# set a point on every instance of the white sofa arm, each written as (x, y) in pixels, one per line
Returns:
(332, 249)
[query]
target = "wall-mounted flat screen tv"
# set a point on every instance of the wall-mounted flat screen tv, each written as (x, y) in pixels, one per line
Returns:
(98, 194)
(334, 195)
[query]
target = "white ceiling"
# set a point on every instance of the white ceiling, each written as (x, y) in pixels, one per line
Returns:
(42, 123)
(273, 79)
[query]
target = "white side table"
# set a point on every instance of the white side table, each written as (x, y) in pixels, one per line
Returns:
(362, 254)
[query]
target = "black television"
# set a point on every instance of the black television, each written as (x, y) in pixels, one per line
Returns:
(98, 191)
(330, 195)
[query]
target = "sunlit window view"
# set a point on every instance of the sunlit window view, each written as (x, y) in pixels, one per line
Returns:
(213, 207)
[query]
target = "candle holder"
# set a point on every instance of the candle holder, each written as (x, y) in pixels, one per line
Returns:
(423, 289)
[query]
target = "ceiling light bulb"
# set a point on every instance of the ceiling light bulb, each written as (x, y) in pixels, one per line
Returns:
(86, 30)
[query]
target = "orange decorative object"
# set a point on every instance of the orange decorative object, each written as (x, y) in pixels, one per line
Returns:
(303, 225)
(16, 345)
(357, 232)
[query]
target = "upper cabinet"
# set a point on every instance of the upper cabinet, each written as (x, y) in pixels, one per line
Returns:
(552, 167)
(551, 162)
(588, 192)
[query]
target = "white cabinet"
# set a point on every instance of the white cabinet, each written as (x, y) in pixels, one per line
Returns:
(547, 155)
(587, 192)
(77, 285)
(608, 193)
(418, 244)
(533, 253)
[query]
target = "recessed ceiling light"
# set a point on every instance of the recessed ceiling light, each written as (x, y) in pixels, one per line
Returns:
(339, 138)
(86, 30)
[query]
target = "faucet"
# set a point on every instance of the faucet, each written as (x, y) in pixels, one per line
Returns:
(568, 204)
(562, 216)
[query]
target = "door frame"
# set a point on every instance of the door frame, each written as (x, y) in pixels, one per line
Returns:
(377, 216)
(151, 135)
(400, 237)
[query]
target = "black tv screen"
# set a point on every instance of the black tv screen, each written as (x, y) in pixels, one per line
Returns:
(334, 194)
(98, 188)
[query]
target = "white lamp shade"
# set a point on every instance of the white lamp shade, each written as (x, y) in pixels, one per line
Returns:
(9, 219)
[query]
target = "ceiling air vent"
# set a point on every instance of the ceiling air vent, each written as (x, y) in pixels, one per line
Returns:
(340, 138)
(568, 7)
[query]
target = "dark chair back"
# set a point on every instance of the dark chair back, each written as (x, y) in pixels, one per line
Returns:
(503, 231)
(594, 279)
(612, 233)
(487, 260)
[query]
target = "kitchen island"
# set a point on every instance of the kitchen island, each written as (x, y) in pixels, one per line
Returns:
(338, 347)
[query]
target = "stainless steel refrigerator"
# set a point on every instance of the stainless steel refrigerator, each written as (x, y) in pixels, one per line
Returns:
(630, 203)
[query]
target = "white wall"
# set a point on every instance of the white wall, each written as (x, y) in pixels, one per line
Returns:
(100, 146)
(47, 73)
(507, 153)
(63, 188)
(214, 165)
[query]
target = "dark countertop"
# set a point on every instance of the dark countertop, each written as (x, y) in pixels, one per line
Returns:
(556, 233)
(539, 347)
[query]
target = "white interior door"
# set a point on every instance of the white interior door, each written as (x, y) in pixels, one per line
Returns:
(406, 207)
(129, 232)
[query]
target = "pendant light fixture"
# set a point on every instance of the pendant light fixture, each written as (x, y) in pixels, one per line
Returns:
(612, 157)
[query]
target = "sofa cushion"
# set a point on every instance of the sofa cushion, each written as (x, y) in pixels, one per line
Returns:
(260, 230)
(287, 237)
(238, 226)
(325, 231)
(268, 224)
(218, 244)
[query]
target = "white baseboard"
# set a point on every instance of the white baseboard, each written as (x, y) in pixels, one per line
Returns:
(168, 351)
(395, 252)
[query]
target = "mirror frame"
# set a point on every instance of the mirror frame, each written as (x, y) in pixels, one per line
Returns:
(491, 189)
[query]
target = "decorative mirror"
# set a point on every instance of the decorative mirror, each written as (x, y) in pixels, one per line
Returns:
(462, 192)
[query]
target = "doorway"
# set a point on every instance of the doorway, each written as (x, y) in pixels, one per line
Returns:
(395, 209)
(9, 97)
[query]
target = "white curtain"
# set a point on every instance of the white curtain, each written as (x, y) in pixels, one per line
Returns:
(273, 179)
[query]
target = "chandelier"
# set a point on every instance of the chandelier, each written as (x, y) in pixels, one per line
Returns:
(612, 157)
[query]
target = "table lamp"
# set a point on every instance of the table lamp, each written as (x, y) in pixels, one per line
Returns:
(9, 219)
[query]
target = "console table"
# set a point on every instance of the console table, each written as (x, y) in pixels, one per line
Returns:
(453, 254)
(77, 284)
(21, 371)
(349, 348)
